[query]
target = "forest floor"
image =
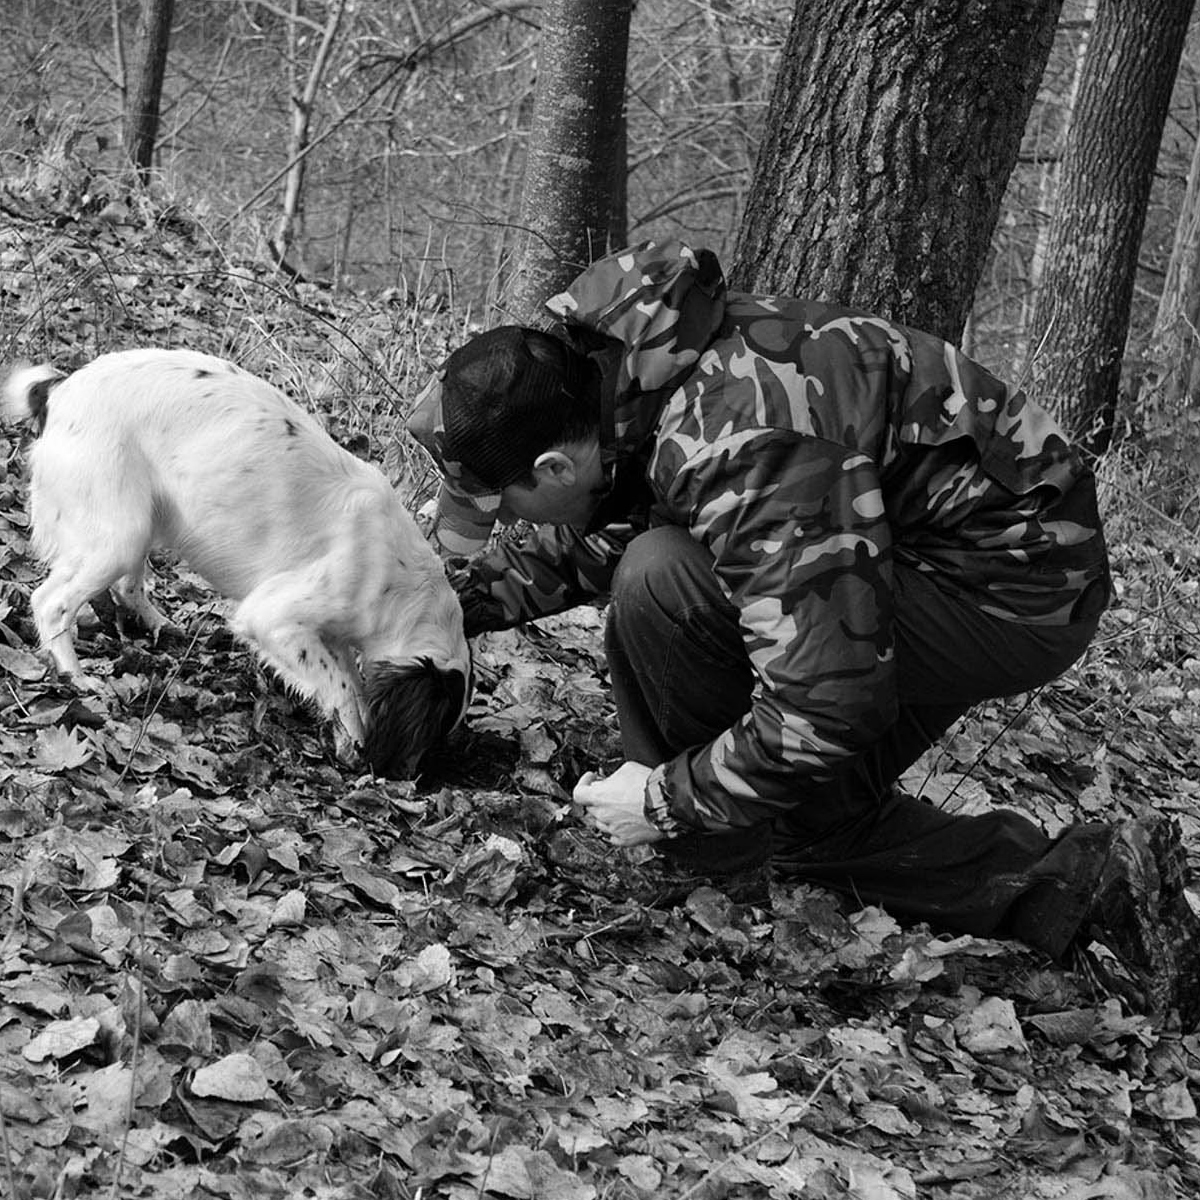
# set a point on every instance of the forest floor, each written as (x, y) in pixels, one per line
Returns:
(228, 968)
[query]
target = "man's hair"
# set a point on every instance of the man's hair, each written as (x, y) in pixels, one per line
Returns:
(511, 393)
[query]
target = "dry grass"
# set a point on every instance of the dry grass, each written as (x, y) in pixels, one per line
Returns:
(89, 267)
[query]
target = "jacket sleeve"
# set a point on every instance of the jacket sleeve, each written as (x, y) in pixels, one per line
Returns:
(551, 570)
(801, 545)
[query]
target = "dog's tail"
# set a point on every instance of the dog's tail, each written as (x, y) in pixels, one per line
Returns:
(26, 394)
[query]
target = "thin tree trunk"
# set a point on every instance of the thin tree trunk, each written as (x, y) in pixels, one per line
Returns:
(303, 106)
(120, 71)
(509, 176)
(144, 98)
(1048, 175)
(893, 128)
(1171, 380)
(1081, 318)
(567, 198)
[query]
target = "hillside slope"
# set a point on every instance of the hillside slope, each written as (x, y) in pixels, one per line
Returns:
(229, 968)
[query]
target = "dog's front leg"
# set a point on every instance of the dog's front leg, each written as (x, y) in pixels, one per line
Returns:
(349, 726)
(281, 619)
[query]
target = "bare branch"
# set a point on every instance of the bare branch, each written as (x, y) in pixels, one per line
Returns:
(407, 63)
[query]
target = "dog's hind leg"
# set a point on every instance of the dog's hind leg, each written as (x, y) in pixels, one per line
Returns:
(56, 604)
(130, 591)
(281, 621)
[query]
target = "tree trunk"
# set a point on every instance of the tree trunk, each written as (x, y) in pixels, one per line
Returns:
(1056, 122)
(1081, 317)
(893, 128)
(618, 214)
(572, 165)
(144, 97)
(1173, 374)
(304, 102)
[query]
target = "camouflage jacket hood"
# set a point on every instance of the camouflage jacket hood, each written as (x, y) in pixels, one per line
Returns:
(810, 448)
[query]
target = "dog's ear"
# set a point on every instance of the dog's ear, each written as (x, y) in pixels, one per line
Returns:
(26, 393)
(410, 707)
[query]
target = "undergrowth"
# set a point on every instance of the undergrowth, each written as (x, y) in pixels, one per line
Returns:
(230, 968)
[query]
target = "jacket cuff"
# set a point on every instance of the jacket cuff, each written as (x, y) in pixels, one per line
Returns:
(657, 805)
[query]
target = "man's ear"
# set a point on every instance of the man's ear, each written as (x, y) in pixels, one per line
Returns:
(556, 466)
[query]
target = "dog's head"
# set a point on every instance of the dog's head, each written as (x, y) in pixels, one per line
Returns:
(410, 707)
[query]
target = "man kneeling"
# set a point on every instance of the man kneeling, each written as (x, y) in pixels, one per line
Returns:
(825, 536)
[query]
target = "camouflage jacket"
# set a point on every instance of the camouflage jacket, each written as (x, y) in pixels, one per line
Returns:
(810, 448)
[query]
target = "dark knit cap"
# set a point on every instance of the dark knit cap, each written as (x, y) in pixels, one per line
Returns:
(495, 391)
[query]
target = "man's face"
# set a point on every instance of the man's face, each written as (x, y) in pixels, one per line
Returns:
(568, 487)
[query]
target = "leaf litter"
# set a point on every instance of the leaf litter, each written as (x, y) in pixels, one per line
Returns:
(229, 968)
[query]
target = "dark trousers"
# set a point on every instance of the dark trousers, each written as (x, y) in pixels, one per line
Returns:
(681, 676)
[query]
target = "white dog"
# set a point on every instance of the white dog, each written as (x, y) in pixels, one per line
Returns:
(170, 448)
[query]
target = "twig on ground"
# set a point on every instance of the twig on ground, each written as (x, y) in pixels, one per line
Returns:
(162, 695)
(777, 1129)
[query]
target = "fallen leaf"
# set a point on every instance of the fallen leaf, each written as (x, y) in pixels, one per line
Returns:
(431, 970)
(61, 749)
(642, 1171)
(1172, 1103)
(991, 1027)
(234, 1077)
(107, 1093)
(376, 889)
(530, 1175)
(288, 910)
(62, 1038)
(490, 872)
(279, 1142)
(887, 1118)
(21, 664)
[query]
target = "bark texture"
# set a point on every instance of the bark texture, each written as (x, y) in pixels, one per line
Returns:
(1081, 318)
(144, 99)
(1172, 380)
(893, 128)
(574, 161)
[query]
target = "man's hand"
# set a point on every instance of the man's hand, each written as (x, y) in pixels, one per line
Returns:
(615, 804)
